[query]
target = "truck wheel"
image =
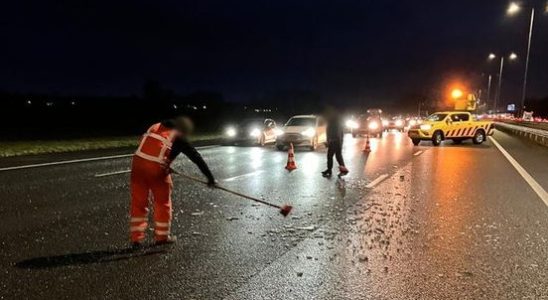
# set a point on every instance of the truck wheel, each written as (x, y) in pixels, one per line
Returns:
(437, 137)
(479, 137)
(415, 141)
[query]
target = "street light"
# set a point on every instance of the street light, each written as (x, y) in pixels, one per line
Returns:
(514, 8)
(492, 56)
(456, 94)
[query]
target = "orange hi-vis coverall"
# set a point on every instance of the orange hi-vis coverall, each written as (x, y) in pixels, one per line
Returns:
(150, 174)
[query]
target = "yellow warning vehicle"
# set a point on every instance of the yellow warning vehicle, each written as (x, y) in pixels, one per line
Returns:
(453, 125)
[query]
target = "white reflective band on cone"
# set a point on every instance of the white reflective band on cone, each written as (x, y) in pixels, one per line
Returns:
(137, 228)
(162, 224)
(138, 219)
(160, 232)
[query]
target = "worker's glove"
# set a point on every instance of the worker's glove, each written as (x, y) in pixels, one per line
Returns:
(212, 183)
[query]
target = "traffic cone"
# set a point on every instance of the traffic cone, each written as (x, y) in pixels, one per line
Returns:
(291, 165)
(367, 148)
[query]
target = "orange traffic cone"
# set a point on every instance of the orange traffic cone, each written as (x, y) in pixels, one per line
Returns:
(367, 148)
(291, 165)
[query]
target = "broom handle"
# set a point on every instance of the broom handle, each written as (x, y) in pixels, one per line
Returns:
(225, 189)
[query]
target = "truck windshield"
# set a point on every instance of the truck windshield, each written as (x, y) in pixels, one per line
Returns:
(301, 122)
(436, 117)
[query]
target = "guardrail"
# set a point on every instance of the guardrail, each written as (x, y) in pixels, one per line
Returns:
(538, 136)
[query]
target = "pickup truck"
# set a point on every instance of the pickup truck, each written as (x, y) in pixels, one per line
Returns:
(453, 125)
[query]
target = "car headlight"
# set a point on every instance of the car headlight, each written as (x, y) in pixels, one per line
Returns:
(373, 125)
(399, 123)
(352, 124)
(255, 132)
(426, 127)
(412, 122)
(310, 132)
(231, 132)
(278, 132)
(385, 123)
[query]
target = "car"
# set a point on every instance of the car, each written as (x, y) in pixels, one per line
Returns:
(368, 124)
(454, 125)
(251, 131)
(395, 123)
(303, 130)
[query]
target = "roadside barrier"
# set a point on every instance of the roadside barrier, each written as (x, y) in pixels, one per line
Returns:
(538, 136)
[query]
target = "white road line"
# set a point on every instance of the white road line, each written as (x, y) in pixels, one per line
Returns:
(65, 162)
(243, 175)
(418, 153)
(528, 178)
(112, 173)
(373, 183)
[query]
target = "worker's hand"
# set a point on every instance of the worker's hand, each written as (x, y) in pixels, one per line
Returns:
(212, 183)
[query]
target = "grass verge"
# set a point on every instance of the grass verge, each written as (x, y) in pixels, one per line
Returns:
(17, 148)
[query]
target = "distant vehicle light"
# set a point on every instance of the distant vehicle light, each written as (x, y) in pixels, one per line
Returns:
(231, 132)
(412, 122)
(352, 124)
(399, 123)
(384, 123)
(426, 127)
(373, 125)
(310, 132)
(255, 132)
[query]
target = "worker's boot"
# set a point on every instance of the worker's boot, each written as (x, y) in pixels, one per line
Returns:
(343, 170)
(327, 173)
(171, 239)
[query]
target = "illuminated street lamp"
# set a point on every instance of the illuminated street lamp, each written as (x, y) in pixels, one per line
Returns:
(514, 8)
(492, 56)
(456, 94)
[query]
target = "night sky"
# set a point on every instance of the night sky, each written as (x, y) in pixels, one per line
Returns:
(344, 50)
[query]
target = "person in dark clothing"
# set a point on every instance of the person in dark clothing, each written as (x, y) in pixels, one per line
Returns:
(335, 135)
(150, 174)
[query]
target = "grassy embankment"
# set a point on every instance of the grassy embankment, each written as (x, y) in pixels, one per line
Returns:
(16, 148)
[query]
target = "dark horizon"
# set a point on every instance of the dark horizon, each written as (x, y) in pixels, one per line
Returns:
(350, 53)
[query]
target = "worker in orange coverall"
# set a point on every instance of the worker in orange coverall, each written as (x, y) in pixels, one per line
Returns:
(150, 173)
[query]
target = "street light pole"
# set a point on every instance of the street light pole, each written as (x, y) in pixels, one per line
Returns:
(489, 89)
(524, 91)
(498, 91)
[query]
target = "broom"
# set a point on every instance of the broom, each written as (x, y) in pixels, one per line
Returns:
(284, 209)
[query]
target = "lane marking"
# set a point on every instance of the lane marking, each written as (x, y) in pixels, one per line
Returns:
(112, 173)
(418, 153)
(64, 162)
(224, 180)
(526, 176)
(73, 161)
(243, 175)
(378, 180)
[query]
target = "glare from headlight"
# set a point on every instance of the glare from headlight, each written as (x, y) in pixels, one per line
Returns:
(278, 132)
(310, 132)
(412, 122)
(399, 123)
(426, 127)
(373, 125)
(255, 132)
(352, 124)
(385, 123)
(231, 132)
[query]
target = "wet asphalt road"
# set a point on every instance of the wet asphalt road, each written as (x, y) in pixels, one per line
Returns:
(449, 222)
